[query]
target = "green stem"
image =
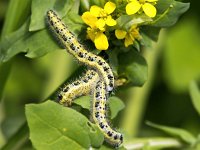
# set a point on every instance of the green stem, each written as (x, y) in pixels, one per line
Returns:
(153, 143)
(138, 96)
(17, 140)
(16, 14)
(161, 16)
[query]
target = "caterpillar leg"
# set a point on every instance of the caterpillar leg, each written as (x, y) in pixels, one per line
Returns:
(78, 88)
(99, 115)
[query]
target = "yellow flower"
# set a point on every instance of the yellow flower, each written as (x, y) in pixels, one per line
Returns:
(98, 37)
(147, 6)
(129, 36)
(99, 17)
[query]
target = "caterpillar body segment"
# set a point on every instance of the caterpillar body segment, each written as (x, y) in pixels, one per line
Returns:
(99, 115)
(73, 46)
(77, 88)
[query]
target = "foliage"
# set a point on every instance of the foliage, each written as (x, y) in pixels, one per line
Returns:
(52, 126)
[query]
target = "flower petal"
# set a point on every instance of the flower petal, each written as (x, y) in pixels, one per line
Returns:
(110, 21)
(133, 7)
(95, 10)
(101, 41)
(134, 32)
(149, 10)
(109, 7)
(120, 34)
(100, 24)
(89, 19)
(90, 33)
(128, 41)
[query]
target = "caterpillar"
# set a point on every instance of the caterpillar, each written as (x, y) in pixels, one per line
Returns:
(99, 115)
(81, 87)
(99, 81)
(78, 88)
(70, 42)
(84, 86)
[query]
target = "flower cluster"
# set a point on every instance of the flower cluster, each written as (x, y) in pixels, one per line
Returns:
(102, 21)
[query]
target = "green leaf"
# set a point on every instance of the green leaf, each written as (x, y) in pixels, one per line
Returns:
(134, 67)
(83, 101)
(169, 12)
(126, 21)
(113, 59)
(11, 39)
(34, 44)
(180, 133)
(116, 105)
(151, 32)
(53, 126)
(39, 9)
(74, 22)
(195, 95)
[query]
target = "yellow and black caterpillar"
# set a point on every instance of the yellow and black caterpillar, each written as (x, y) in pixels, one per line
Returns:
(98, 81)
(70, 42)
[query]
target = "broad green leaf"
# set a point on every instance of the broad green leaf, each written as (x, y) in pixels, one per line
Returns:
(195, 95)
(151, 32)
(39, 9)
(180, 133)
(133, 67)
(145, 41)
(116, 105)
(33, 44)
(74, 22)
(113, 59)
(181, 56)
(169, 12)
(12, 38)
(83, 101)
(53, 126)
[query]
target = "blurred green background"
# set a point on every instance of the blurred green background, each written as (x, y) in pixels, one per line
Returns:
(166, 102)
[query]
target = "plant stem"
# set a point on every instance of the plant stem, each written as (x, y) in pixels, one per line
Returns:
(17, 140)
(153, 143)
(138, 96)
(16, 14)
